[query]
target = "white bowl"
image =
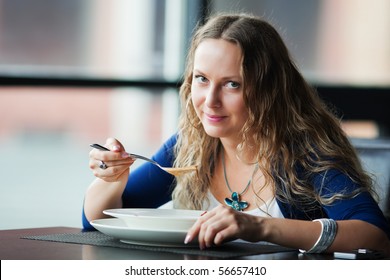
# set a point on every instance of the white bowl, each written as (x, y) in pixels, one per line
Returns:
(151, 237)
(147, 218)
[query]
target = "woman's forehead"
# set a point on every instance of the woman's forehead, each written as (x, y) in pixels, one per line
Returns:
(218, 54)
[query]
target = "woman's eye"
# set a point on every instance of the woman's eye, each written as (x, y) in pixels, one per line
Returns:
(200, 79)
(232, 84)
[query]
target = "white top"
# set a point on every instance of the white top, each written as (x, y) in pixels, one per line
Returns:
(268, 209)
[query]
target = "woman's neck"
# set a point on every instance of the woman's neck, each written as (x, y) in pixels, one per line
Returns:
(236, 156)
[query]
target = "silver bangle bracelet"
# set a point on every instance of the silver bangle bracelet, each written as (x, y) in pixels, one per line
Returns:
(326, 238)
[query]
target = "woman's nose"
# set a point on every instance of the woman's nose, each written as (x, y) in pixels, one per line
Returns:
(212, 97)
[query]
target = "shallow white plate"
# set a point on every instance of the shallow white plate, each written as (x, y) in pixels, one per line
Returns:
(147, 218)
(157, 237)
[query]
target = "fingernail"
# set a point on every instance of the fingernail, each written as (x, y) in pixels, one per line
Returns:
(125, 155)
(115, 148)
(187, 239)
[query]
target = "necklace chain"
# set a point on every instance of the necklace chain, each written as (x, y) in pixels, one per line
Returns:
(226, 179)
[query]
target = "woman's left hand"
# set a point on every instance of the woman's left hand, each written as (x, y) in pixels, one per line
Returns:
(224, 224)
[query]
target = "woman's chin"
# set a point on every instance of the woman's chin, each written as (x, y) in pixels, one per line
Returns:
(215, 133)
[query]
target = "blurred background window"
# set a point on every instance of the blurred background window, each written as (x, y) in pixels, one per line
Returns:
(333, 42)
(92, 38)
(341, 47)
(74, 72)
(45, 131)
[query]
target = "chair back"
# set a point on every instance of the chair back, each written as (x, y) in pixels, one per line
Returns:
(375, 157)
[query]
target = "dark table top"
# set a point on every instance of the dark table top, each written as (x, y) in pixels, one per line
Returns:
(14, 247)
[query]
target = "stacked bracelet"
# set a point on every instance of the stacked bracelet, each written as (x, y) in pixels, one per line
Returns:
(328, 233)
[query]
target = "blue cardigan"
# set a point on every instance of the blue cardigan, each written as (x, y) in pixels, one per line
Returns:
(150, 187)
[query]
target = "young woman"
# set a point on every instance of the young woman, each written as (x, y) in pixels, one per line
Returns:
(273, 162)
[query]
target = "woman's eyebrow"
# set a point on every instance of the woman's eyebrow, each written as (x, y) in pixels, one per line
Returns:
(227, 77)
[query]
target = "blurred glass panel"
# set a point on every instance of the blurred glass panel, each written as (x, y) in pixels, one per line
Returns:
(333, 42)
(45, 132)
(45, 135)
(361, 129)
(83, 38)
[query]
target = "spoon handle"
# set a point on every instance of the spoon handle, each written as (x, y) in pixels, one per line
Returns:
(170, 170)
(100, 147)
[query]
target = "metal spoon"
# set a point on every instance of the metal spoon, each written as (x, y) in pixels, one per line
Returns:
(175, 171)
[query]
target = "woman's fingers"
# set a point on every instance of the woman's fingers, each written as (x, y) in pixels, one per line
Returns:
(113, 177)
(220, 228)
(224, 224)
(214, 228)
(110, 165)
(96, 161)
(117, 151)
(194, 230)
(116, 146)
(107, 155)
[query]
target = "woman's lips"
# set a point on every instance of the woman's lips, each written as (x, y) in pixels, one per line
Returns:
(214, 118)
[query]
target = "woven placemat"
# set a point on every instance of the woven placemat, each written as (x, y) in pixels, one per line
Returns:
(226, 251)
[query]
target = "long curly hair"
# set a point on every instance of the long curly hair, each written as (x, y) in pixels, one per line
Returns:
(288, 124)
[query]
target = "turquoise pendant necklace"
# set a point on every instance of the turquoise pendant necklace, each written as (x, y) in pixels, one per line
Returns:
(235, 202)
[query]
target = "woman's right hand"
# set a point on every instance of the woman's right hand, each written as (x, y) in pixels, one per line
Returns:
(116, 160)
(105, 192)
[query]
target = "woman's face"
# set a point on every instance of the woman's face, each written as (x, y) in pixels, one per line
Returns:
(217, 88)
